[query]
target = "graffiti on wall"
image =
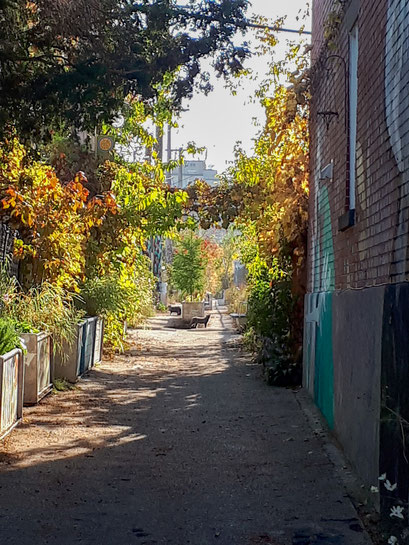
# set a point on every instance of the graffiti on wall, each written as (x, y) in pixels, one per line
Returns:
(360, 336)
(318, 357)
(397, 119)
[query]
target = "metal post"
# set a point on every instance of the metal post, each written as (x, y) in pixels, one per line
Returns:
(169, 154)
(159, 143)
(180, 172)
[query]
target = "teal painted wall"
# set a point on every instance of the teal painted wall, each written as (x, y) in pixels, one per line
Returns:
(318, 341)
(324, 361)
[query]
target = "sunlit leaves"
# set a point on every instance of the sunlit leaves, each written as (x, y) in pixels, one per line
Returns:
(53, 219)
(187, 272)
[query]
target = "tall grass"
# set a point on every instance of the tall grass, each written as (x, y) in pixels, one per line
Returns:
(46, 308)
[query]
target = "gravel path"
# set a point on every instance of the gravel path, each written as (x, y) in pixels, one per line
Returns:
(178, 442)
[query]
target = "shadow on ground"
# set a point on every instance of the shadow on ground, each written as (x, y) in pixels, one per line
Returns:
(179, 442)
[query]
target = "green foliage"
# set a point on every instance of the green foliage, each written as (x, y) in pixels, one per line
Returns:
(187, 272)
(265, 195)
(101, 296)
(46, 308)
(8, 287)
(25, 327)
(269, 324)
(62, 385)
(236, 299)
(9, 338)
(53, 219)
(74, 63)
(124, 294)
(115, 332)
(230, 247)
(146, 202)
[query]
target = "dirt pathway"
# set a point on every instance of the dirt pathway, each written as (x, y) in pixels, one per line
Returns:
(180, 442)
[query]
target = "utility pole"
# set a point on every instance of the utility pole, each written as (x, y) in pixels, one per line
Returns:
(159, 144)
(169, 154)
(180, 171)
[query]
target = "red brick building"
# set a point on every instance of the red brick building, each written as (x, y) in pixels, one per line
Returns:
(356, 357)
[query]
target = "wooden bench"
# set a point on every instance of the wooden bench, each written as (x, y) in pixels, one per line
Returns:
(239, 320)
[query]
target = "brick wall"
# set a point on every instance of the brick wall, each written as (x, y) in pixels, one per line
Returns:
(374, 250)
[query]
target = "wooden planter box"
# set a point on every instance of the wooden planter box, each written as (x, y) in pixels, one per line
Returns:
(88, 344)
(83, 353)
(37, 367)
(67, 363)
(99, 341)
(189, 310)
(11, 390)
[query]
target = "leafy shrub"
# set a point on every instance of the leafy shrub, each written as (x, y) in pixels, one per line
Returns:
(46, 308)
(236, 299)
(269, 328)
(108, 298)
(187, 272)
(54, 219)
(125, 295)
(9, 338)
(8, 288)
(114, 333)
(103, 295)
(62, 385)
(25, 327)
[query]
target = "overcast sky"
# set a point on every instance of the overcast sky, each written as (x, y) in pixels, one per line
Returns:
(218, 120)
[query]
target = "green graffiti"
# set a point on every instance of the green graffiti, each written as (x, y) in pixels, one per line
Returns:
(326, 279)
(324, 361)
(318, 351)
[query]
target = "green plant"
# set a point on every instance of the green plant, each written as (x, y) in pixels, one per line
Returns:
(62, 385)
(236, 299)
(123, 294)
(114, 333)
(9, 338)
(269, 328)
(100, 296)
(187, 272)
(8, 287)
(25, 327)
(161, 307)
(46, 308)
(251, 340)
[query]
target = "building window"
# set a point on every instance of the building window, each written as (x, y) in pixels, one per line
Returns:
(353, 110)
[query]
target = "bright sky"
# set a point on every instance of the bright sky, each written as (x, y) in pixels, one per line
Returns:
(219, 120)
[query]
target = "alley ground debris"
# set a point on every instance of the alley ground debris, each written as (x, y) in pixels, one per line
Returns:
(179, 442)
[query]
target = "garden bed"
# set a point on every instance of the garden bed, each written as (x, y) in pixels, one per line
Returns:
(11, 390)
(99, 340)
(37, 367)
(88, 344)
(190, 310)
(67, 360)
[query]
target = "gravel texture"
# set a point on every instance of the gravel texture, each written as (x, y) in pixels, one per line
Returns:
(178, 442)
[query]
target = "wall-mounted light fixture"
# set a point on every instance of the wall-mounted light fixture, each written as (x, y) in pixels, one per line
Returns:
(328, 116)
(330, 113)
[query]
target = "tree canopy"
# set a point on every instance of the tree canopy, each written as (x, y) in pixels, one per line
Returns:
(73, 63)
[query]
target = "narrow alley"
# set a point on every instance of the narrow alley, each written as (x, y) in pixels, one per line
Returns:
(181, 442)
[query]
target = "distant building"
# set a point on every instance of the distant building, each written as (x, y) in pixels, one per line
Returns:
(190, 171)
